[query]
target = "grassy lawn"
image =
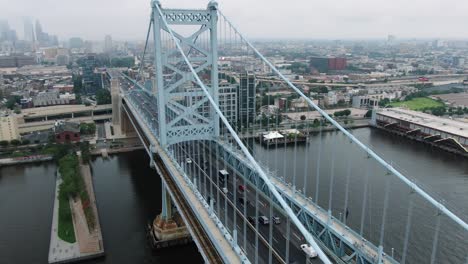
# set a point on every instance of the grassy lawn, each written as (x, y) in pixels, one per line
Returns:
(65, 223)
(418, 104)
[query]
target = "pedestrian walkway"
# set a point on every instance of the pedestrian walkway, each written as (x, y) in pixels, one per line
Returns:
(88, 243)
(60, 250)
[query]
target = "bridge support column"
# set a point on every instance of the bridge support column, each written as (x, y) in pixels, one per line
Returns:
(168, 228)
(126, 126)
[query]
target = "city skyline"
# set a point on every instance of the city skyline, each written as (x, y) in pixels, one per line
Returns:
(361, 19)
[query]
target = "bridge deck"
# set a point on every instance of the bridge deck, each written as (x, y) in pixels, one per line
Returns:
(204, 228)
(350, 236)
(192, 221)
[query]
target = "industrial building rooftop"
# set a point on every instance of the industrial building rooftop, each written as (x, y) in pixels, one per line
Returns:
(446, 125)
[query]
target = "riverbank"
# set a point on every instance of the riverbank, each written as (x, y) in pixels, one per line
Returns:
(87, 242)
(25, 159)
(60, 251)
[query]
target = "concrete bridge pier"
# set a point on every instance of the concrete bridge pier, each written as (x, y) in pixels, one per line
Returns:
(168, 228)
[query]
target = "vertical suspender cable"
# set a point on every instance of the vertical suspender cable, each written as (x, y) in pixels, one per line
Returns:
(382, 162)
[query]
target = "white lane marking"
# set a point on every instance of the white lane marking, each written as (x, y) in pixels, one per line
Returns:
(298, 237)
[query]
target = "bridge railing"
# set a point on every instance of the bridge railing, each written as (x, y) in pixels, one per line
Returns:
(322, 158)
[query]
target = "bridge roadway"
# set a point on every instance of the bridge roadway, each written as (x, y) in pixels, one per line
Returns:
(351, 238)
(201, 225)
(299, 202)
(279, 231)
(142, 99)
(209, 181)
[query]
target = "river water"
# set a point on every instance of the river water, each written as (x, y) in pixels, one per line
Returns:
(127, 192)
(443, 175)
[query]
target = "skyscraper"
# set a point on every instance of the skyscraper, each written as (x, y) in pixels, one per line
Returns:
(39, 33)
(7, 34)
(28, 30)
(108, 43)
(89, 78)
(246, 99)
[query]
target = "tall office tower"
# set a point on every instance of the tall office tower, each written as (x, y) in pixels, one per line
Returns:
(4, 28)
(39, 31)
(246, 100)
(90, 84)
(108, 43)
(7, 34)
(28, 30)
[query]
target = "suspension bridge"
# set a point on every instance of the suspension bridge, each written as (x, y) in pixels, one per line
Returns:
(190, 101)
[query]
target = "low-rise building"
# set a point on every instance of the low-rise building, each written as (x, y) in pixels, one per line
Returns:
(445, 133)
(48, 98)
(8, 127)
(66, 132)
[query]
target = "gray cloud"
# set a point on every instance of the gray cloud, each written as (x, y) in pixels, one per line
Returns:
(127, 19)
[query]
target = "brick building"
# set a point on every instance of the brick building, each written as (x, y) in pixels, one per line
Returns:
(66, 132)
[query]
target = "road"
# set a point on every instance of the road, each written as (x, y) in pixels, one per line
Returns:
(204, 169)
(254, 237)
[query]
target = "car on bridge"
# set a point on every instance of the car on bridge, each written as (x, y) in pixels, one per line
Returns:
(263, 220)
(309, 251)
(276, 220)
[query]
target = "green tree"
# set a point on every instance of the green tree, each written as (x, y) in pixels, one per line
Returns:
(126, 62)
(303, 117)
(103, 96)
(85, 152)
(4, 143)
(384, 102)
(87, 129)
(316, 123)
(13, 101)
(368, 114)
(15, 142)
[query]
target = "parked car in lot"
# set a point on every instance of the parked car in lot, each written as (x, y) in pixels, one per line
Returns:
(263, 220)
(251, 220)
(189, 161)
(276, 220)
(309, 251)
(241, 188)
(225, 190)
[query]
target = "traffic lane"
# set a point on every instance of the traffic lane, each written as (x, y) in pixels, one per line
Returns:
(263, 202)
(295, 236)
(278, 239)
(227, 216)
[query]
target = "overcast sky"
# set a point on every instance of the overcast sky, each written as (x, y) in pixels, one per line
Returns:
(306, 19)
